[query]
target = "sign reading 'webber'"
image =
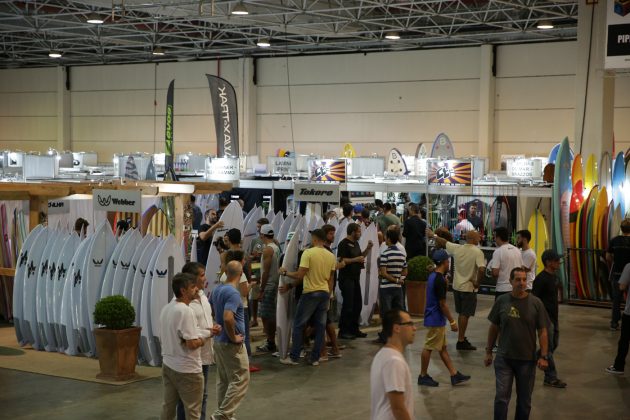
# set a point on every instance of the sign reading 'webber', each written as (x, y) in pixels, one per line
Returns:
(316, 193)
(117, 200)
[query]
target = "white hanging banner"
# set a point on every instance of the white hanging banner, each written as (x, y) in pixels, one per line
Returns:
(316, 193)
(117, 200)
(618, 37)
(58, 207)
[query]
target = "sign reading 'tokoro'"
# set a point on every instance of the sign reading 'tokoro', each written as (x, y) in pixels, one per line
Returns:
(316, 193)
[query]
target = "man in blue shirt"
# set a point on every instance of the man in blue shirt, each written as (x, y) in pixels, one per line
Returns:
(229, 353)
(436, 313)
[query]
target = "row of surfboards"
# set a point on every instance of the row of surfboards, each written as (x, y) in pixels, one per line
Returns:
(13, 234)
(589, 202)
(60, 277)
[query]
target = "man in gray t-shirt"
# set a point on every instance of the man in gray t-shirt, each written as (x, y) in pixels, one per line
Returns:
(624, 340)
(516, 318)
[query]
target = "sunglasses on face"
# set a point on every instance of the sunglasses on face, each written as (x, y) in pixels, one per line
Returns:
(408, 323)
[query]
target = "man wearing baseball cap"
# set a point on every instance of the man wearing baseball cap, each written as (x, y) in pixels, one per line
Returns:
(546, 289)
(436, 313)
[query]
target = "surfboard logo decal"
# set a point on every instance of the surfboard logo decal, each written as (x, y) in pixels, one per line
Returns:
(143, 272)
(44, 268)
(77, 278)
(134, 267)
(23, 258)
(104, 201)
(161, 273)
(31, 269)
(114, 263)
(97, 263)
(53, 269)
(62, 272)
(125, 266)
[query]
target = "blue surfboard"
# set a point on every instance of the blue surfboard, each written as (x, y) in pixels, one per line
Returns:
(561, 199)
(618, 179)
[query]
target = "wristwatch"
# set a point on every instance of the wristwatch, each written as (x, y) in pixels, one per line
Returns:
(545, 357)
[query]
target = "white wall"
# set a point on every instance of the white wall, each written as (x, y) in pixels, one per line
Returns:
(375, 101)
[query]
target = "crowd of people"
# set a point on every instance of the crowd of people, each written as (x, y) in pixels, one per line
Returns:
(524, 320)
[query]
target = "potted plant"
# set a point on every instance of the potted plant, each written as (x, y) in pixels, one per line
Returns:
(117, 340)
(418, 269)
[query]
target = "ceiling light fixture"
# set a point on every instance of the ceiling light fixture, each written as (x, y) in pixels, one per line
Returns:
(158, 51)
(264, 43)
(392, 35)
(544, 24)
(54, 54)
(240, 9)
(94, 19)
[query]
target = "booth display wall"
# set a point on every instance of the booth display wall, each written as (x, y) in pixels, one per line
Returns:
(374, 101)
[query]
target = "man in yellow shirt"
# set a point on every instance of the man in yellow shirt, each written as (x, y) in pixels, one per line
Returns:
(316, 271)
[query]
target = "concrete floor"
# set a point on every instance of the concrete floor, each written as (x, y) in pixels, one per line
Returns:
(339, 389)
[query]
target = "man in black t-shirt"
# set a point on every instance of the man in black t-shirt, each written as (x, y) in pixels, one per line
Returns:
(474, 218)
(351, 255)
(206, 232)
(546, 289)
(617, 256)
(414, 232)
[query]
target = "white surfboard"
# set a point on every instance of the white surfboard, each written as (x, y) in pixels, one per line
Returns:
(108, 280)
(70, 341)
(63, 265)
(369, 275)
(250, 232)
(442, 147)
(193, 250)
(278, 220)
(124, 262)
(340, 233)
(48, 319)
(270, 214)
(139, 278)
(294, 227)
(41, 299)
(284, 305)
(18, 285)
(249, 215)
(146, 240)
(81, 269)
(147, 345)
(99, 253)
(284, 229)
(396, 165)
(30, 286)
(334, 223)
(168, 263)
(232, 217)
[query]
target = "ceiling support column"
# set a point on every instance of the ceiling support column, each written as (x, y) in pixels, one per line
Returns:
(248, 106)
(63, 109)
(487, 80)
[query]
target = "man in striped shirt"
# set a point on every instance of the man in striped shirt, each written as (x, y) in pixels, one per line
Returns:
(392, 270)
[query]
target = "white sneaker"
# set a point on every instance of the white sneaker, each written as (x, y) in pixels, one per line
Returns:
(276, 354)
(288, 361)
(315, 363)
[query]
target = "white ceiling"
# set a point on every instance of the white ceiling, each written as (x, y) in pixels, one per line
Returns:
(192, 30)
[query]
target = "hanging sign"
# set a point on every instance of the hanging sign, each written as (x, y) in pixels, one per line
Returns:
(222, 169)
(618, 36)
(281, 165)
(58, 207)
(450, 172)
(524, 168)
(316, 193)
(117, 200)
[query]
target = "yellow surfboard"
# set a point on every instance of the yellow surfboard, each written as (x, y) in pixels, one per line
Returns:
(590, 173)
(348, 151)
(540, 241)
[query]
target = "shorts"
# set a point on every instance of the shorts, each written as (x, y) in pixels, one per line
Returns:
(465, 302)
(267, 305)
(254, 292)
(436, 338)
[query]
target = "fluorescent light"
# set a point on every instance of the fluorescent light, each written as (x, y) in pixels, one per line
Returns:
(240, 9)
(54, 54)
(264, 43)
(95, 19)
(544, 24)
(158, 51)
(392, 35)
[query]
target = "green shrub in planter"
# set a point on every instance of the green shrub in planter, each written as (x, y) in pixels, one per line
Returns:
(419, 267)
(114, 312)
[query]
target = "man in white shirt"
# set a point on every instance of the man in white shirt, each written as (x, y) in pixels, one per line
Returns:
(528, 255)
(390, 378)
(203, 315)
(505, 258)
(181, 343)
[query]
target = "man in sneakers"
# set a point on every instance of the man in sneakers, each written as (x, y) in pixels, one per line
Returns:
(546, 289)
(618, 367)
(353, 259)
(390, 378)
(392, 270)
(618, 256)
(435, 315)
(504, 259)
(229, 353)
(515, 318)
(470, 267)
(269, 277)
(527, 255)
(317, 267)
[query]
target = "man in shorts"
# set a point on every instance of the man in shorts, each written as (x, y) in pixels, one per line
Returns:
(435, 315)
(269, 277)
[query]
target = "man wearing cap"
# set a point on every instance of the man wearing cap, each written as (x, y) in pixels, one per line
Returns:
(436, 313)
(618, 256)
(470, 267)
(504, 259)
(414, 233)
(317, 267)
(269, 276)
(516, 318)
(617, 368)
(545, 288)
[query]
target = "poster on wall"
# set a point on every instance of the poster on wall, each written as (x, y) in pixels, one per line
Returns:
(327, 170)
(450, 172)
(618, 37)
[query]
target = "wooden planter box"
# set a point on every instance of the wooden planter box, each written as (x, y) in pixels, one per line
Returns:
(416, 297)
(117, 353)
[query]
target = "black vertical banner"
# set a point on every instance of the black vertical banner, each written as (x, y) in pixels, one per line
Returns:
(169, 170)
(225, 112)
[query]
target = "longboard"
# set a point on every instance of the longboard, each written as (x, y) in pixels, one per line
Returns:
(561, 197)
(442, 147)
(618, 180)
(540, 240)
(369, 275)
(30, 286)
(577, 198)
(590, 173)
(285, 301)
